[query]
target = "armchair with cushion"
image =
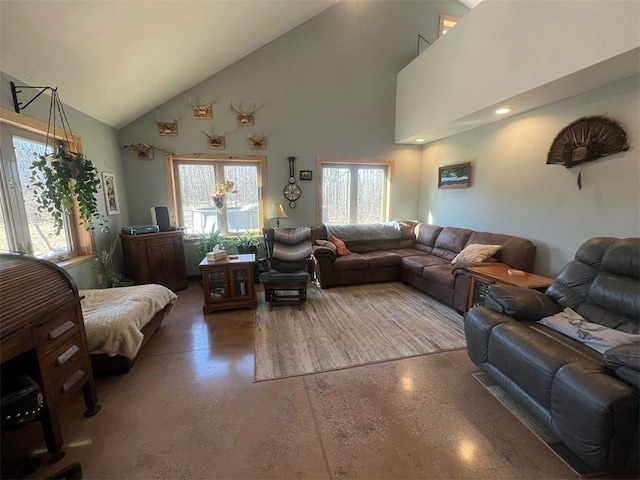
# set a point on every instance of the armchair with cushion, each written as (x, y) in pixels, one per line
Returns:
(286, 268)
(586, 395)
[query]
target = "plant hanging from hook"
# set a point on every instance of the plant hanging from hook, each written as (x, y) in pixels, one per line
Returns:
(60, 177)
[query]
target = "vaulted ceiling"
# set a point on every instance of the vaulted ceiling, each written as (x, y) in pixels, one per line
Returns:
(117, 60)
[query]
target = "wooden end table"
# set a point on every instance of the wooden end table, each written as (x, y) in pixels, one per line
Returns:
(228, 283)
(483, 277)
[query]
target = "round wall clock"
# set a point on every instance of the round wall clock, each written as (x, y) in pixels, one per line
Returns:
(292, 191)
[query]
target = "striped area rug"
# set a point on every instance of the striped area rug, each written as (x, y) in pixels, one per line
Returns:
(348, 326)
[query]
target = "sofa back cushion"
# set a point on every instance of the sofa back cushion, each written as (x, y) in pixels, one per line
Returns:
(602, 283)
(425, 236)
(450, 242)
(516, 252)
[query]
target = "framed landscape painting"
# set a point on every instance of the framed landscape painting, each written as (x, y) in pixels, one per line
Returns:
(454, 176)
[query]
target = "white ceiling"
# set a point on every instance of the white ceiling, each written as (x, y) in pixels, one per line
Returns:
(116, 60)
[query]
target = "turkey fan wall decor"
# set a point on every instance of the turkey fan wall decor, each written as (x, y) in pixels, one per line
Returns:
(587, 139)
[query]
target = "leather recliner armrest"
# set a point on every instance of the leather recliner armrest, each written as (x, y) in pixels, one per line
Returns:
(520, 303)
(624, 360)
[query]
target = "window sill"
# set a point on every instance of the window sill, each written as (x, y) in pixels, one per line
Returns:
(75, 261)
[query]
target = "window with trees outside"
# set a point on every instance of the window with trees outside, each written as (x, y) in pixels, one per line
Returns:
(354, 191)
(192, 182)
(24, 228)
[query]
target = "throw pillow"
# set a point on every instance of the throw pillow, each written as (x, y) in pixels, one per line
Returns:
(326, 243)
(341, 248)
(593, 335)
(476, 252)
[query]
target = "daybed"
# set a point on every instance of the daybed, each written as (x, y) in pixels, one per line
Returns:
(586, 395)
(416, 253)
(120, 321)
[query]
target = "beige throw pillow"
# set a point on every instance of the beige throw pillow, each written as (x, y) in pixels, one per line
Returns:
(327, 243)
(476, 252)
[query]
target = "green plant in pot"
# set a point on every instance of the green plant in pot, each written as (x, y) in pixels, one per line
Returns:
(248, 242)
(104, 264)
(60, 178)
(207, 243)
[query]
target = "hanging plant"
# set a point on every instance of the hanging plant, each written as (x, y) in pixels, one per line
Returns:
(60, 178)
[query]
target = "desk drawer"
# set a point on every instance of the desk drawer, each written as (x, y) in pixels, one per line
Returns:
(60, 328)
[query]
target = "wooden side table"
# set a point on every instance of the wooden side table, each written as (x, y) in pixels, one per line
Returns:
(483, 277)
(228, 283)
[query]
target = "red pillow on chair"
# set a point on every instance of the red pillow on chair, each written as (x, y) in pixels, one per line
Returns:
(341, 248)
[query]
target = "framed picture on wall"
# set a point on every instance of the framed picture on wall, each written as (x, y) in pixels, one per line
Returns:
(306, 174)
(454, 176)
(110, 193)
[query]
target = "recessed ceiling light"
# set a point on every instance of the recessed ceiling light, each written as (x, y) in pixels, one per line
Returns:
(419, 139)
(503, 110)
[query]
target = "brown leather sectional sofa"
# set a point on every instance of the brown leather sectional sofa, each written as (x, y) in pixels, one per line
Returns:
(420, 255)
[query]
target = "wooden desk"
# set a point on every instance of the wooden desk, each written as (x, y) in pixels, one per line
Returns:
(482, 277)
(228, 283)
(42, 334)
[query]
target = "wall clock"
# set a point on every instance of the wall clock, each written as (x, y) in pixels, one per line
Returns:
(292, 191)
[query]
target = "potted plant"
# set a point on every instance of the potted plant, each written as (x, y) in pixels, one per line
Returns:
(104, 264)
(59, 178)
(207, 243)
(248, 242)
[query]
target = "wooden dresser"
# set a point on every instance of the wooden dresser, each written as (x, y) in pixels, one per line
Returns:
(42, 334)
(155, 258)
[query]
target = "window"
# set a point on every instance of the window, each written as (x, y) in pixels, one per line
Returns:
(354, 191)
(23, 228)
(192, 180)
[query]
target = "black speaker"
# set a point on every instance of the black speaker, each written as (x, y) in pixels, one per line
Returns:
(160, 217)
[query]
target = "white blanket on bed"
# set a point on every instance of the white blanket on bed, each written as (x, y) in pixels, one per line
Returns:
(113, 317)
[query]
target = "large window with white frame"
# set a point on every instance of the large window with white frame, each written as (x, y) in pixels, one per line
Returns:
(193, 177)
(353, 191)
(23, 227)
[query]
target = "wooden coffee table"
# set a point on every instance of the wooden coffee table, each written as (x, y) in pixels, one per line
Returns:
(482, 277)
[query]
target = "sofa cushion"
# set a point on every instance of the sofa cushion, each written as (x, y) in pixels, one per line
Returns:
(417, 263)
(475, 252)
(440, 274)
(593, 335)
(408, 252)
(382, 259)
(426, 236)
(326, 243)
(450, 242)
(355, 261)
(341, 248)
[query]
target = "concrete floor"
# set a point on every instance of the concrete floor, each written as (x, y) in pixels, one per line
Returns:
(189, 409)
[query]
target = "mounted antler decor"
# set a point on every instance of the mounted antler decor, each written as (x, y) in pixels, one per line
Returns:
(257, 142)
(144, 151)
(201, 110)
(215, 141)
(587, 139)
(244, 118)
(168, 128)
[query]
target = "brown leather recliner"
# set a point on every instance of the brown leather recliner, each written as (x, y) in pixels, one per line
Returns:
(587, 399)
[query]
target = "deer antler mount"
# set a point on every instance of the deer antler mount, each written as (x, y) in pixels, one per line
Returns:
(244, 118)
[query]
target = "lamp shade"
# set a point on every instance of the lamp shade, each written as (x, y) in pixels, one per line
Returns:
(278, 211)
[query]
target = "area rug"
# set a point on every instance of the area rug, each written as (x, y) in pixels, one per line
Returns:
(349, 326)
(539, 430)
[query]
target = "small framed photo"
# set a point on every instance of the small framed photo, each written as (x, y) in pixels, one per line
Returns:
(306, 175)
(454, 176)
(110, 193)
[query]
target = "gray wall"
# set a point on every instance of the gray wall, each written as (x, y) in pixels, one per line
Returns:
(325, 89)
(99, 143)
(513, 191)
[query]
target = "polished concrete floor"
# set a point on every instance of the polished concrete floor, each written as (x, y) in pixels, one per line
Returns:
(190, 409)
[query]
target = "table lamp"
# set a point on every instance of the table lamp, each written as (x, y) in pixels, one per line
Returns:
(278, 213)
